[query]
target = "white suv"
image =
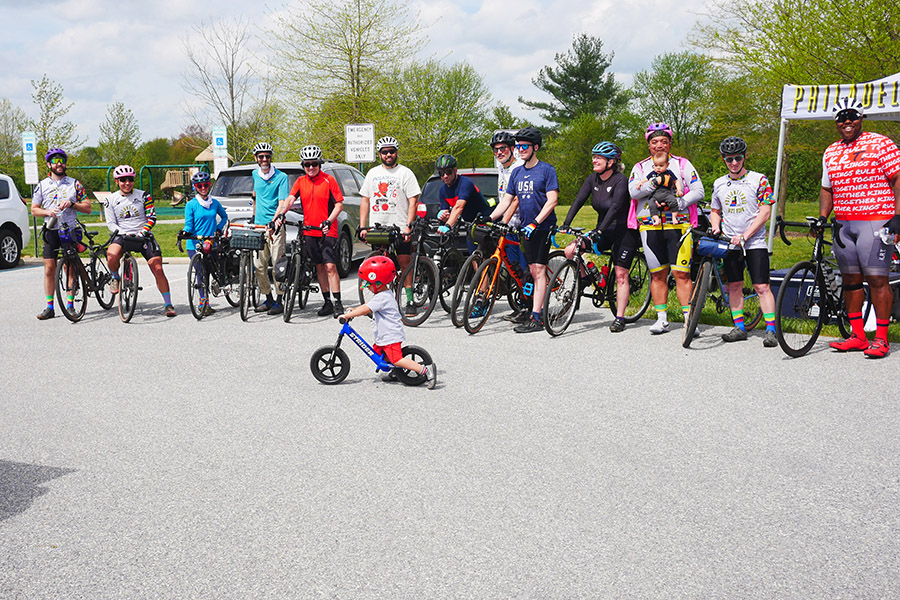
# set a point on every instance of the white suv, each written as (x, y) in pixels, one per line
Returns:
(14, 231)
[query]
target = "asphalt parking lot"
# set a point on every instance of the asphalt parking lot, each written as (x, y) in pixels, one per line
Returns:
(170, 458)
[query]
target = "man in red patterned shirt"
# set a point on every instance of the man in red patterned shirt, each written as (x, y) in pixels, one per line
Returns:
(861, 183)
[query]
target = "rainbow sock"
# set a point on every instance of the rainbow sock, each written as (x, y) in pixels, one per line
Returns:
(50, 301)
(770, 321)
(738, 317)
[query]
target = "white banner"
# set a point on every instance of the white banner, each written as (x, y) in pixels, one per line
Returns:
(359, 143)
(880, 99)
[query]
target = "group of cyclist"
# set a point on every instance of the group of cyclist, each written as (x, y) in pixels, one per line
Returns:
(651, 209)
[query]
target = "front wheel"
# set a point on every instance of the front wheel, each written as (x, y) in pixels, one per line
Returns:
(70, 291)
(482, 295)
(128, 289)
(638, 288)
(451, 264)
(801, 308)
(291, 285)
(421, 356)
(330, 365)
(198, 286)
(698, 301)
(244, 285)
(101, 277)
(417, 304)
(561, 298)
(461, 288)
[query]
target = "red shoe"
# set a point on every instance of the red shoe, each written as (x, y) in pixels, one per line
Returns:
(851, 344)
(878, 349)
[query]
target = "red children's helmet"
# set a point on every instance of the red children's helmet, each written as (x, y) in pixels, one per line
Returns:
(377, 269)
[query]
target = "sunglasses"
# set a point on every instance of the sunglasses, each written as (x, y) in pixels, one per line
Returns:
(126, 179)
(263, 157)
(56, 160)
(847, 115)
(445, 172)
(388, 151)
(308, 165)
(202, 185)
(523, 146)
(500, 148)
(734, 159)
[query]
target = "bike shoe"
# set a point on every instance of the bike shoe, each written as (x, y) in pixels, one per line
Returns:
(327, 309)
(410, 310)
(214, 286)
(659, 327)
(878, 349)
(46, 314)
(264, 306)
(338, 309)
(478, 312)
(114, 286)
(276, 309)
(514, 316)
(770, 341)
(531, 325)
(617, 326)
(209, 310)
(389, 377)
(851, 344)
(170, 310)
(430, 376)
(735, 335)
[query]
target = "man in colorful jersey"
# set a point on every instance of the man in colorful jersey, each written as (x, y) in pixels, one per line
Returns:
(536, 188)
(741, 204)
(861, 183)
(270, 187)
(131, 212)
(56, 198)
(389, 196)
(459, 198)
(661, 242)
(322, 201)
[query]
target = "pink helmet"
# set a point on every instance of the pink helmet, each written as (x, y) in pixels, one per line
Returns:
(655, 129)
(123, 171)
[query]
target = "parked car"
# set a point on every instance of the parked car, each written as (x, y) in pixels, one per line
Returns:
(485, 180)
(234, 189)
(14, 231)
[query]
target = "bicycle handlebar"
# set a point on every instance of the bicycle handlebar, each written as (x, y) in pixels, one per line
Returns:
(780, 225)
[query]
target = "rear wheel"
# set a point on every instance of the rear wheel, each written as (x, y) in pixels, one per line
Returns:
(291, 285)
(101, 277)
(198, 286)
(307, 277)
(70, 290)
(128, 289)
(801, 309)
(561, 298)
(698, 301)
(421, 356)
(638, 288)
(424, 285)
(345, 254)
(245, 285)
(451, 263)
(232, 274)
(481, 296)
(461, 288)
(330, 365)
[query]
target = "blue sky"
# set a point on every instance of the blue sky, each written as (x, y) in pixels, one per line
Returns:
(104, 51)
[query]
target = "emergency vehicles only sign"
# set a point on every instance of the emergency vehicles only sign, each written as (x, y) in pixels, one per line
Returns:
(360, 142)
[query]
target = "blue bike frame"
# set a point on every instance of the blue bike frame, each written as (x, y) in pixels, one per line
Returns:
(381, 363)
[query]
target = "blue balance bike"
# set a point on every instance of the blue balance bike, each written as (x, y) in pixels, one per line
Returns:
(331, 365)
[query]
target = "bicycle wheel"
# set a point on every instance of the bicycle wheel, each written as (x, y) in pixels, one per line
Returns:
(451, 264)
(307, 277)
(198, 286)
(231, 270)
(128, 289)
(70, 290)
(461, 288)
(801, 308)
(245, 285)
(482, 295)
(291, 286)
(561, 298)
(698, 301)
(424, 291)
(330, 365)
(638, 288)
(420, 356)
(101, 277)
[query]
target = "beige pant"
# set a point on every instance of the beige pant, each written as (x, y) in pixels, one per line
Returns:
(274, 248)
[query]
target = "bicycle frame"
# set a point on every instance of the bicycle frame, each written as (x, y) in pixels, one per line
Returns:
(381, 363)
(500, 255)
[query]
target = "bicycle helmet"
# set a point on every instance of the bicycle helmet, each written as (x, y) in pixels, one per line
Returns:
(607, 150)
(846, 105)
(732, 145)
(445, 161)
(529, 135)
(387, 142)
(200, 177)
(656, 129)
(503, 137)
(55, 152)
(311, 153)
(123, 171)
(262, 147)
(377, 270)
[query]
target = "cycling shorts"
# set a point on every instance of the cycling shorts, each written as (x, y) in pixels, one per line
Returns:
(757, 263)
(662, 248)
(321, 250)
(51, 243)
(862, 252)
(393, 352)
(536, 248)
(622, 245)
(147, 247)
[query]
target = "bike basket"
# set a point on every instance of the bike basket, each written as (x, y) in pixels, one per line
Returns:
(712, 247)
(248, 239)
(279, 271)
(377, 237)
(480, 233)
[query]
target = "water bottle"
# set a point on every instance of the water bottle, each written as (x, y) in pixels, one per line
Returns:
(604, 275)
(594, 272)
(53, 222)
(887, 238)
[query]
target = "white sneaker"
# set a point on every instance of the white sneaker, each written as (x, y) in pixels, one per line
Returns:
(113, 286)
(659, 327)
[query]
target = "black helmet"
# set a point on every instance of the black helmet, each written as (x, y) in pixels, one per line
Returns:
(530, 135)
(732, 145)
(503, 137)
(445, 161)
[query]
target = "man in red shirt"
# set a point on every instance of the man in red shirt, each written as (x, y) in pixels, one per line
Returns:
(861, 183)
(322, 202)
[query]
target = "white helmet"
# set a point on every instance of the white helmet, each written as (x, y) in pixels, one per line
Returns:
(262, 147)
(387, 142)
(311, 153)
(846, 104)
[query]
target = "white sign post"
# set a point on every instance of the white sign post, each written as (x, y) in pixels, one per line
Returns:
(220, 149)
(360, 142)
(29, 157)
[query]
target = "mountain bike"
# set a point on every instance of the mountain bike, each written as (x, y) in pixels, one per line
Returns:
(213, 268)
(74, 281)
(300, 278)
(575, 278)
(247, 238)
(331, 364)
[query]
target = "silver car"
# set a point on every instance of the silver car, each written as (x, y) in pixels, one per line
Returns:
(234, 189)
(14, 231)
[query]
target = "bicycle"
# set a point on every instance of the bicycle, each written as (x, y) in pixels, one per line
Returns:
(575, 278)
(810, 295)
(212, 268)
(331, 364)
(129, 283)
(300, 276)
(247, 238)
(710, 283)
(384, 240)
(74, 282)
(496, 276)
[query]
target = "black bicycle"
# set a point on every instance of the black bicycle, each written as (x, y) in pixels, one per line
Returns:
(213, 270)
(300, 277)
(74, 281)
(247, 238)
